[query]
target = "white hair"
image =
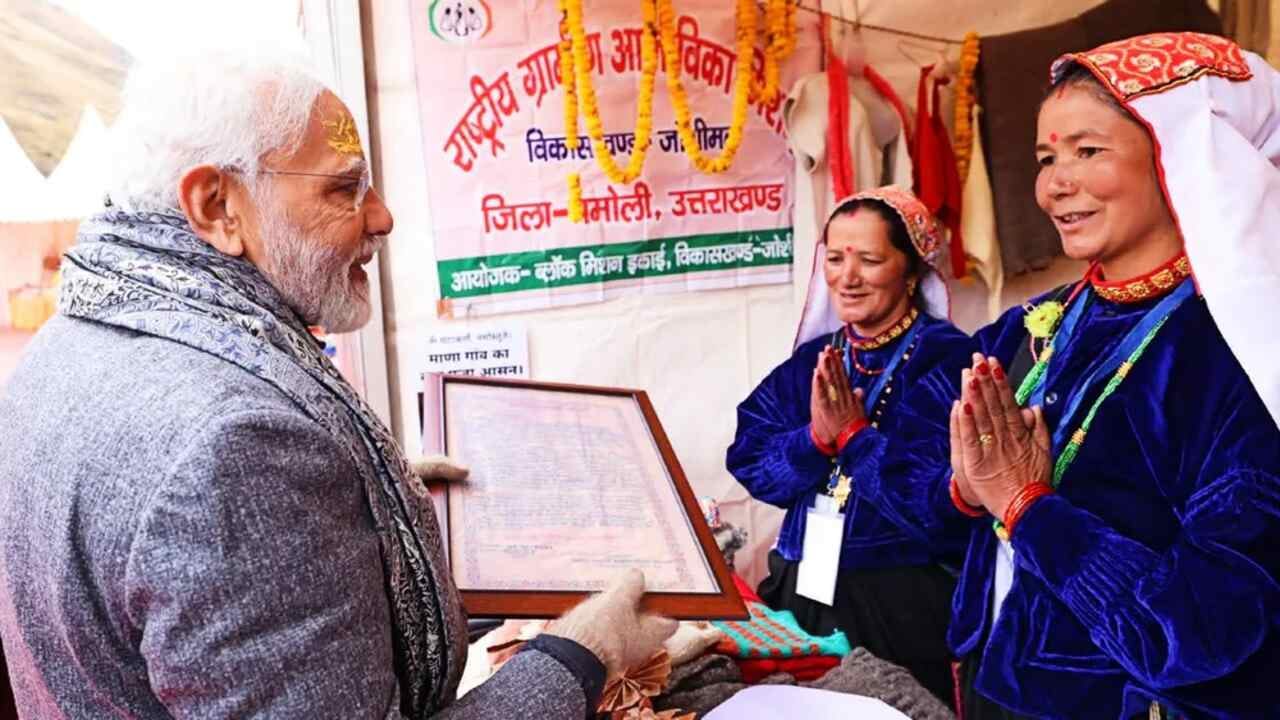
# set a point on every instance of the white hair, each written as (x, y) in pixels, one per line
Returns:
(222, 108)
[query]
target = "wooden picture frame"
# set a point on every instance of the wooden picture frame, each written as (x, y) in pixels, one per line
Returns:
(692, 591)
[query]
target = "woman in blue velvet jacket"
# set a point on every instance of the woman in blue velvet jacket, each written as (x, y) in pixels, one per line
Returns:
(1125, 551)
(830, 422)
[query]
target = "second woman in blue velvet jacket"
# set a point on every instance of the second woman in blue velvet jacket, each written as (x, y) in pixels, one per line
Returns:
(873, 373)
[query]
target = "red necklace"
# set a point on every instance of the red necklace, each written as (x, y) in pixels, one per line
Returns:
(1144, 287)
(893, 333)
(853, 353)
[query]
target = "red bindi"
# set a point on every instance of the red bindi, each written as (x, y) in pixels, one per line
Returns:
(1053, 137)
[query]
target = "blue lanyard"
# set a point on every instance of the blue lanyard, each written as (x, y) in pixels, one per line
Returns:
(1131, 341)
(894, 361)
(881, 380)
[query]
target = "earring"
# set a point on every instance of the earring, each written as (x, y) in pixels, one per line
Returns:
(911, 286)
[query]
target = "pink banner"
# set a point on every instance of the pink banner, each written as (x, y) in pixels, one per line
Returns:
(497, 159)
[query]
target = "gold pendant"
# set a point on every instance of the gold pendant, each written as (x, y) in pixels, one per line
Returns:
(841, 491)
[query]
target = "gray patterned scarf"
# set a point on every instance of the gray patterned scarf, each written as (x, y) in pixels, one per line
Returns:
(149, 273)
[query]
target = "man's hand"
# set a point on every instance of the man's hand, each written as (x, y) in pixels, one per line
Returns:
(438, 468)
(611, 626)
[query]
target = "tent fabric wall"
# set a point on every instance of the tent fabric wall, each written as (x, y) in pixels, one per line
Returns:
(20, 182)
(38, 221)
(24, 248)
(697, 354)
(74, 189)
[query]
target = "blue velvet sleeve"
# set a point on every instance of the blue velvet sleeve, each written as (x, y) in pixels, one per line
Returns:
(772, 455)
(1203, 604)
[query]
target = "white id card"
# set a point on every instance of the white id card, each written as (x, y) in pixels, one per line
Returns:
(820, 563)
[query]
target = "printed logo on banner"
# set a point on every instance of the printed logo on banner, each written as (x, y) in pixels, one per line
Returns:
(460, 22)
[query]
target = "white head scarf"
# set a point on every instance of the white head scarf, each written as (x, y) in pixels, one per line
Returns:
(819, 318)
(1213, 112)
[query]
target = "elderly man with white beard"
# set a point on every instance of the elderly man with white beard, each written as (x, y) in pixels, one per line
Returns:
(199, 518)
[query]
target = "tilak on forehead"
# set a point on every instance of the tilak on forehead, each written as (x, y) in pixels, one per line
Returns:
(343, 137)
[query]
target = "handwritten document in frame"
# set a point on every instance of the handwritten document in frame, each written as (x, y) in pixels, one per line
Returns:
(569, 486)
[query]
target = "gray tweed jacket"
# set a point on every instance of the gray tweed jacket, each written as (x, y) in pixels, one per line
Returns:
(178, 540)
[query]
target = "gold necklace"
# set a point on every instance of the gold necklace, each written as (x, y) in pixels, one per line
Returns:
(904, 324)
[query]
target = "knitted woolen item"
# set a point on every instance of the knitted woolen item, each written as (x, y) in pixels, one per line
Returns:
(702, 701)
(811, 667)
(694, 696)
(861, 673)
(706, 670)
(775, 634)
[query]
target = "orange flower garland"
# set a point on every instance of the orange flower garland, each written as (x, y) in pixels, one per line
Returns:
(586, 101)
(565, 48)
(567, 80)
(660, 26)
(587, 94)
(746, 32)
(576, 212)
(964, 103)
(780, 41)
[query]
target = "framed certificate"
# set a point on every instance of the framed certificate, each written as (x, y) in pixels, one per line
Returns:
(569, 486)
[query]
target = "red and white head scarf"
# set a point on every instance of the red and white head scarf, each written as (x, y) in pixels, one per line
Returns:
(1213, 111)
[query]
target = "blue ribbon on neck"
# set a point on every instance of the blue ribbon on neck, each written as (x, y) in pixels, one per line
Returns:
(1107, 368)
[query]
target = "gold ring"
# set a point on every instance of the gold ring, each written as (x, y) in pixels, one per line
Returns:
(831, 392)
(986, 439)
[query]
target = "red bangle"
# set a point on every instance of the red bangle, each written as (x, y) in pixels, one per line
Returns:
(847, 434)
(824, 448)
(1024, 499)
(961, 505)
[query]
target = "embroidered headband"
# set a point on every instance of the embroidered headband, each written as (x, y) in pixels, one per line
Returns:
(922, 227)
(1149, 64)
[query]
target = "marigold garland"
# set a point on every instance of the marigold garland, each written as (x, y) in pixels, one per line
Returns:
(746, 32)
(567, 80)
(660, 25)
(780, 41)
(586, 102)
(576, 212)
(587, 95)
(789, 43)
(964, 103)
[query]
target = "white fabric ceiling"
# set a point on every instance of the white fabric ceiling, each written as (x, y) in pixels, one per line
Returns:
(74, 189)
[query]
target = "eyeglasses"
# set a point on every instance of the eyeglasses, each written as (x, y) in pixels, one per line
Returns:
(363, 181)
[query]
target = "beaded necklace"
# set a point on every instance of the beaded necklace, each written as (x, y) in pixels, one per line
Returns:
(1145, 287)
(893, 333)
